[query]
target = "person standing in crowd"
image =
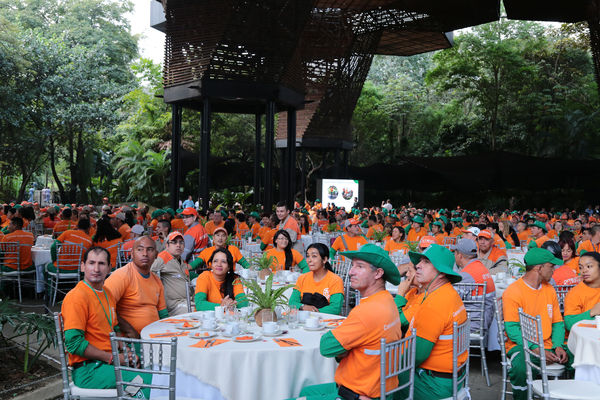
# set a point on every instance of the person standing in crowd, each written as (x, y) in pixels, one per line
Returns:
(196, 237)
(188, 203)
(290, 225)
(349, 241)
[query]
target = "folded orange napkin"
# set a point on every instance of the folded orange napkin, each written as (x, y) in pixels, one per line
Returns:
(175, 320)
(587, 325)
(203, 334)
(187, 325)
(287, 342)
(167, 334)
(332, 320)
(209, 343)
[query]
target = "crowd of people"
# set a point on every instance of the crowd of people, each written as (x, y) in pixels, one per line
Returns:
(437, 247)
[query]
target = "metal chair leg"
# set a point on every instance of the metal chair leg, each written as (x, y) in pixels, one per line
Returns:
(484, 368)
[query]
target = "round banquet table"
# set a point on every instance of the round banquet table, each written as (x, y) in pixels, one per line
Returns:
(584, 343)
(255, 370)
(40, 256)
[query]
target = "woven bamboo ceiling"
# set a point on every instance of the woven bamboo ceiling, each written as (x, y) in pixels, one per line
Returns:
(312, 55)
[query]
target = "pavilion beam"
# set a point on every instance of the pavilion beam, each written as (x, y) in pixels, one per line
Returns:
(257, 171)
(345, 165)
(205, 153)
(291, 157)
(269, 145)
(175, 157)
(303, 176)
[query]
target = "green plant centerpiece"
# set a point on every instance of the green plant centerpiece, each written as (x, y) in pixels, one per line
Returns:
(378, 236)
(413, 246)
(266, 300)
(332, 227)
(263, 265)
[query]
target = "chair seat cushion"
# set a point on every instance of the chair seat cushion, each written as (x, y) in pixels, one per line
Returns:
(82, 392)
(555, 369)
(569, 389)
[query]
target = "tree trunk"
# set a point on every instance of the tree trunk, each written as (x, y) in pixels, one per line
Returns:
(72, 169)
(61, 189)
(82, 182)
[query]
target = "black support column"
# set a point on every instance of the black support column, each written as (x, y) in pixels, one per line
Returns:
(205, 153)
(257, 171)
(175, 162)
(291, 158)
(345, 165)
(269, 138)
(303, 176)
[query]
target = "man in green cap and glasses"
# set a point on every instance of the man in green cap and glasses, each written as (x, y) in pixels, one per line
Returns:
(535, 296)
(356, 342)
(538, 234)
(433, 319)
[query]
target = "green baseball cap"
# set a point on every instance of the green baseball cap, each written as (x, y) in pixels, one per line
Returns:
(254, 214)
(377, 257)
(441, 258)
(418, 219)
(438, 223)
(224, 213)
(179, 210)
(536, 256)
(444, 218)
(540, 225)
(170, 211)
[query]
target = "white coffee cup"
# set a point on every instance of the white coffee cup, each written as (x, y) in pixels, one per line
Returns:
(209, 323)
(209, 314)
(232, 328)
(269, 327)
(219, 312)
(312, 322)
(303, 315)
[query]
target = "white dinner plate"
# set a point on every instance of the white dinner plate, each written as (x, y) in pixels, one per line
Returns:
(279, 332)
(194, 326)
(202, 335)
(254, 339)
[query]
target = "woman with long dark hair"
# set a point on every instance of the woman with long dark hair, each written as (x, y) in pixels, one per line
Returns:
(284, 257)
(583, 301)
(107, 237)
(319, 290)
(396, 240)
(221, 285)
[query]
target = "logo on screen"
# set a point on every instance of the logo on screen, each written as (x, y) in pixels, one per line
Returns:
(347, 193)
(332, 192)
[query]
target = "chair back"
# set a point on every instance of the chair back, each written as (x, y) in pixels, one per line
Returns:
(10, 255)
(461, 339)
(473, 297)
(498, 311)
(449, 240)
(123, 255)
(68, 257)
(157, 357)
(64, 367)
(531, 332)
(397, 358)
(561, 293)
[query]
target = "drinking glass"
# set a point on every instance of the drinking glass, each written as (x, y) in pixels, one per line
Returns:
(292, 317)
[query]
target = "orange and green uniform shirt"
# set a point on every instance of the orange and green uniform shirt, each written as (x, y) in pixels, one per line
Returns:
(359, 335)
(587, 246)
(279, 259)
(376, 227)
(208, 252)
(140, 299)
(352, 242)
(113, 249)
(211, 226)
(414, 236)
(74, 236)
(331, 286)
(578, 303)
(25, 240)
(266, 238)
(208, 292)
(63, 225)
(391, 246)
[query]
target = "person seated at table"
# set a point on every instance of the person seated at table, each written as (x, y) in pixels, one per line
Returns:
(196, 237)
(417, 231)
(494, 259)
(374, 225)
(563, 275)
(396, 240)
(174, 273)
(567, 246)
(538, 234)
(437, 231)
(218, 221)
(64, 224)
(357, 340)
(49, 218)
(89, 317)
(25, 240)
(220, 286)
(137, 231)
(535, 296)
(473, 271)
(583, 301)
(71, 236)
(219, 242)
(139, 293)
(410, 293)
(350, 240)
(163, 228)
(433, 319)
(107, 237)
(284, 257)
(320, 289)
(591, 244)
(268, 231)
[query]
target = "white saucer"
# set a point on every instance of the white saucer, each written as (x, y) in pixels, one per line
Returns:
(254, 339)
(196, 326)
(318, 328)
(279, 332)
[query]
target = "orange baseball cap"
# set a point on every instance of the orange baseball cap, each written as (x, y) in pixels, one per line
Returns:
(189, 211)
(173, 235)
(486, 234)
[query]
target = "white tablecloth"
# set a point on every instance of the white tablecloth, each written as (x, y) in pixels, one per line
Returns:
(245, 371)
(584, 343)
(44, 241)
(40, 256)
